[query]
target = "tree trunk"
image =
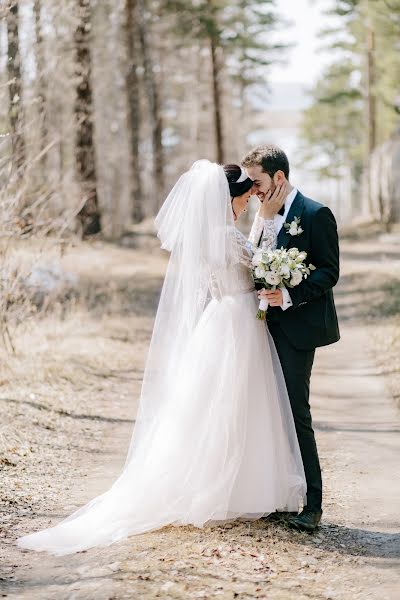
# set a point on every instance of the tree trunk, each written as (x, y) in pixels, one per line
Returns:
(216, 92)
(371, 103)
(89, 214)
(41, 80)
(216, 81)
(371, 95)
(15, 113)
(132, 88)
(154, 105)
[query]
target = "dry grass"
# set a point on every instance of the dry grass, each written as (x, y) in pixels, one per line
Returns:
(370, 293)
(76, 365)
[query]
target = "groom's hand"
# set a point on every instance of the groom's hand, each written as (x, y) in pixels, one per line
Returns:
(271, 203)
(274, 297)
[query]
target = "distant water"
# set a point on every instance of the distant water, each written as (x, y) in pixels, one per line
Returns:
(281, 96)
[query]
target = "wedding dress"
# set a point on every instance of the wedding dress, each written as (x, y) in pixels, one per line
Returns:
(214, 438)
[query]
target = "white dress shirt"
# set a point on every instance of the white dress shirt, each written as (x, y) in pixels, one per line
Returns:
(278, 222)
(280, 219)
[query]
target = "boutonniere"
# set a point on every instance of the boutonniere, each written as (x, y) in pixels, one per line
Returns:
(294, 228)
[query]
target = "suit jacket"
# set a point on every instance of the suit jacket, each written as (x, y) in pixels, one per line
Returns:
(312, 320)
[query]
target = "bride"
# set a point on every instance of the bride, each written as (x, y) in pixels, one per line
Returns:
(214, 438)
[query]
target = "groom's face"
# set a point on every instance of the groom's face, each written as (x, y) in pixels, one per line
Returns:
(262, 182)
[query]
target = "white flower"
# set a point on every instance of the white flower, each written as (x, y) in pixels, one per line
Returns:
(260, 272)
(293, 228)
(301, 257)
(285, 271)
(296, 278)
(281, 268)
(268, 256)
(257, 259)
(272, 277)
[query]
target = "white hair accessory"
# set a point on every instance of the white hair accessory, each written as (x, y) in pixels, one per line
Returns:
(243, 176)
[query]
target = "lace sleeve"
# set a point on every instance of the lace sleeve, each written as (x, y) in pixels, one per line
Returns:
(263, 233)
(246, 249)
(269, 238)
(256, 230)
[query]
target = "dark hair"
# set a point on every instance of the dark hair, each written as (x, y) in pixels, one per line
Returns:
(271, 158)
(233, 173)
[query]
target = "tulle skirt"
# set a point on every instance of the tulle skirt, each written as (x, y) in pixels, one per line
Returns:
(223, 447)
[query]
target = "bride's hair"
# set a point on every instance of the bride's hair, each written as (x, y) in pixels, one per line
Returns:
(237, 188)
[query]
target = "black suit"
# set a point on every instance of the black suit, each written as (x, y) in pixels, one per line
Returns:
(309, 323)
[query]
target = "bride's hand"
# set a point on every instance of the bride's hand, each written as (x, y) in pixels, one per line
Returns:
(272, 203)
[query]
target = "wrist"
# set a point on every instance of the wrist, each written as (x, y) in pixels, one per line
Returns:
(266, 215)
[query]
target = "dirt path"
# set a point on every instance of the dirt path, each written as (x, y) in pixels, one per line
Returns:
(355, 554)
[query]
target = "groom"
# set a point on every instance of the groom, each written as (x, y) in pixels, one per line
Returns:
(302, 318)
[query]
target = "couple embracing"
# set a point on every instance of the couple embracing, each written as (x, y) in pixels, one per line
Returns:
(224, 428)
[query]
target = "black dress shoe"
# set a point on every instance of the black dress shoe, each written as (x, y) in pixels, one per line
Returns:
(307, 520)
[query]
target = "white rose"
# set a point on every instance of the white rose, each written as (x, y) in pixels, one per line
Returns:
(302, 256)
(285, 271)
(268, 256)
(272, 278)
(293, 230)
(257, 259)
(260, 272)
(296, 278)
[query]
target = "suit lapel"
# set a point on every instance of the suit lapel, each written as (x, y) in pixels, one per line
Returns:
(295, 211)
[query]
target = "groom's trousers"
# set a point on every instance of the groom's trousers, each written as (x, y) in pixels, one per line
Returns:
(296, 367)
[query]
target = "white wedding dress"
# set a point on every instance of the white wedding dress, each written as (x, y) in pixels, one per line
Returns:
(214, 438)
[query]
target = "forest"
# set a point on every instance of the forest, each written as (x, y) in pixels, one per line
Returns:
(103, 104)
(353, 121)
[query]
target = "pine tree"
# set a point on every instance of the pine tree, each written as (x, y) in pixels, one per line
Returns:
(353, 104)
(236, 34)
(153, 98)
(89, 214)
(41, 80)
(132, 87)
(15, 113)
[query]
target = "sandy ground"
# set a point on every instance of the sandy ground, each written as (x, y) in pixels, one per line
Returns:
(68, 401)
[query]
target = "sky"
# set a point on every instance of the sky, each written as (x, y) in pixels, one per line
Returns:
(305, 60)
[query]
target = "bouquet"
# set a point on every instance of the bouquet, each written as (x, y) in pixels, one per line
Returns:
(278, 269)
